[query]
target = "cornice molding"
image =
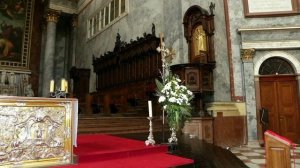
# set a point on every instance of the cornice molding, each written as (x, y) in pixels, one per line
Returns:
(64, 9)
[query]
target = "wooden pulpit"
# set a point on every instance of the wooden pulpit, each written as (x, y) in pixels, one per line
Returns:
(278, 154)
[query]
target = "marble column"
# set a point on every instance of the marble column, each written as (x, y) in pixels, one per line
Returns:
(74, 39)
(72, 62)
(249, 89)
(48, 65)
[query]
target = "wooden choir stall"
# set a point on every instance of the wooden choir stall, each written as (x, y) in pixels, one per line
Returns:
(126, 76)
(37, 132)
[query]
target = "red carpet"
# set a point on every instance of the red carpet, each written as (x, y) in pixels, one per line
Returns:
(106, 151)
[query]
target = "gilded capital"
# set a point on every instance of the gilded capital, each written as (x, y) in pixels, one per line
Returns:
(52, 16)
(247, 54)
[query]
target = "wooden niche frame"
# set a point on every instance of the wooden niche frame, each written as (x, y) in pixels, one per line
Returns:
(194, 17)
(269, 8)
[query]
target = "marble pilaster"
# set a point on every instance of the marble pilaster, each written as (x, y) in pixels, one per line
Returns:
(249, 89)
(48, 68)
(74, 39)
(72, 62)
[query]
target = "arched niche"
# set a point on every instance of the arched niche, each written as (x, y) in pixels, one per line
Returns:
(199, 31)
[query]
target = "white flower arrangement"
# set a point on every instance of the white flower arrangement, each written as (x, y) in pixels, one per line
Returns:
(175, 99)
(173, 96)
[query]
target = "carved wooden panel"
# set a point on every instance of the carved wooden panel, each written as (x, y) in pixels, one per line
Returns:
(127, 72)
(197, 77)
(81, 84)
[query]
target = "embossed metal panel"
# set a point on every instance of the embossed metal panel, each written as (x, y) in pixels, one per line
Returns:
(35, 132)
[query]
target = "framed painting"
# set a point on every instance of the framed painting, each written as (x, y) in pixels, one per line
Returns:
(15, 34)
(259, 8)
(192, 79)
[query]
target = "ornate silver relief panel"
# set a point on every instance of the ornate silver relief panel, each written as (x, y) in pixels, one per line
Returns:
(35, 132)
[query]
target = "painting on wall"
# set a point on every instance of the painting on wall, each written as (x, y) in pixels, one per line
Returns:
(192, 79)
(15, 30)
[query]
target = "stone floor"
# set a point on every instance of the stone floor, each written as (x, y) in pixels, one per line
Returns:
(254, 156)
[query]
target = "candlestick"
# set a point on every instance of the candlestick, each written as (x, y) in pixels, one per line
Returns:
(59, 92)
(150, 139)
(52, 85)
(150, 108)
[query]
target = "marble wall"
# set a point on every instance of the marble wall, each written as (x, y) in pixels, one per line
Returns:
(264, 41)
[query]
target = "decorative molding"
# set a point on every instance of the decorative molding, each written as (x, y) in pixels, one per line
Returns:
(286, 44)
(83, 5)
(247, 54)
(226, 108)
(290, 58)
(266, 29)
(65, 9)
(52, 16)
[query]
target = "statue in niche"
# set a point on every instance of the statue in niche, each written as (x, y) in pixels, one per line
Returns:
(28, 91)
(200, 40)
(3, 76)
(12, 79)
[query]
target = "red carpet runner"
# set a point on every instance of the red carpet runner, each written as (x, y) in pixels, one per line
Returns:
(105, 151)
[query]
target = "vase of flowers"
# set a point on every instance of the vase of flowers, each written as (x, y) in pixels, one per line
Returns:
(173, 96)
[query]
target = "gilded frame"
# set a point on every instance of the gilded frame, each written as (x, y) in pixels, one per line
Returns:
(276, 8)
(15, 40)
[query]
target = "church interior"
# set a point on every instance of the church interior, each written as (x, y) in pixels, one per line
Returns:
(74, 72)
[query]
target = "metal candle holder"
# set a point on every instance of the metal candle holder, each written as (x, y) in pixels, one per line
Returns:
(150, 139)
(58, 94)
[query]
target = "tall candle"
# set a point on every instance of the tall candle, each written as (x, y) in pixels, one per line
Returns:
(66, 86)
(62, 84)
(150, 108)
(52, 86)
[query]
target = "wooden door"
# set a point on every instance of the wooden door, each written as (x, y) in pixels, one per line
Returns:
(279, 96)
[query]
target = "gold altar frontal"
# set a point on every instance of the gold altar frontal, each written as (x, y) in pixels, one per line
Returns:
(37, 132)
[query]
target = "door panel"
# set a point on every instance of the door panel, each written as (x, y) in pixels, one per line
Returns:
(287, 108)
(268, 101)
(279, 96)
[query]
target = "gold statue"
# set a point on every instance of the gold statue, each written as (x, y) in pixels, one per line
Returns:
(200, 40)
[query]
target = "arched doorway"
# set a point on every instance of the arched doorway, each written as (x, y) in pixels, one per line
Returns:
(278, 88)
